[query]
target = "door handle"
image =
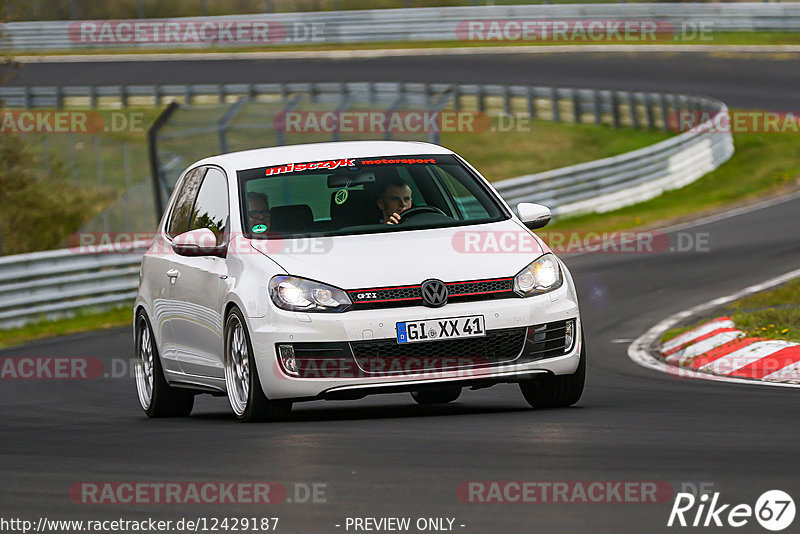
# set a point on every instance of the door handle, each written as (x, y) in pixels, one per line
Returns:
(173, 275)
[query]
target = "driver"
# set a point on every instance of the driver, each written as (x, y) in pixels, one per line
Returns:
(394, 199)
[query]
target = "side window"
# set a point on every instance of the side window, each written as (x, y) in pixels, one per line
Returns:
(211, 208)
(179, 219)
(468, 206)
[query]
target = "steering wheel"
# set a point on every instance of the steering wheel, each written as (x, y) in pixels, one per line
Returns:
(411, 212)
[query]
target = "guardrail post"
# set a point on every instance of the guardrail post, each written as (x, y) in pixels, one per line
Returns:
(157, 95)
(634, 110)
(556, 109)
(576, 106)
(615, 109)
(220, 94)
(531, 103)
(123, 96)
(312, 93)
(648, 102)
(371, 97)
(59, 97)
(26, 97)
(284, 92)
(507, 100)
(664, 112)
(598, 109)
(457, 97)
(481, 98)
(93, 96)
(187, 95)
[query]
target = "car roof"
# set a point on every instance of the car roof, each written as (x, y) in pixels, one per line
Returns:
(280, 155)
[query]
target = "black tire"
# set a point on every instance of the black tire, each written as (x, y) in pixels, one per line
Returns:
(557, 391)
(436, 396)
(258, 407)
(164, 401)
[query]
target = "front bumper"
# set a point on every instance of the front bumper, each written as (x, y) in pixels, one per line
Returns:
(299, 329)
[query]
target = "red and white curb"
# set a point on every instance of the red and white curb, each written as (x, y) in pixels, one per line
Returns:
(717, 350)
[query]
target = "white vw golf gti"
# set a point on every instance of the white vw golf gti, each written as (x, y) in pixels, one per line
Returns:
(340, 270)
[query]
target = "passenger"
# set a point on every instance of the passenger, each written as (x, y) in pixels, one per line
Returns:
(258, 209)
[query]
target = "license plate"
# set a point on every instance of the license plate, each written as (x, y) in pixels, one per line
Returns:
(441, 329)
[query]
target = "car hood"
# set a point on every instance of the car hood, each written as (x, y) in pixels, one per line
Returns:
(377, 260)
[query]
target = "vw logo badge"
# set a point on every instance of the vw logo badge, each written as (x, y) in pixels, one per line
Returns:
(434, 293)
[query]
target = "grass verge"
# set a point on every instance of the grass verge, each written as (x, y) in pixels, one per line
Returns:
(773, 314)
(84, 321)
(548, 145)
(763, 164)
(720, 38)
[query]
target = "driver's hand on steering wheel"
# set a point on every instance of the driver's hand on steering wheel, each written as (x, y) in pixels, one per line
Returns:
(394, 219)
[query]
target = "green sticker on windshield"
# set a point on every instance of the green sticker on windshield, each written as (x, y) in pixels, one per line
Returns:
(341, 196)
(259, 229)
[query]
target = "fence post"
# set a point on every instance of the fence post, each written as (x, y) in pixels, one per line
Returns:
(576, 106)
(98, 160)
(59, 97)
(664, 111)
(634, 110)
(152, 150)
(598, 107)
(556, 109)
(651, 120)
(531, 104)
(126, 168)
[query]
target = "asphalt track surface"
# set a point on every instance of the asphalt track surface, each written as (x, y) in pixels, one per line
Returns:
(385, 456)
(755, 80)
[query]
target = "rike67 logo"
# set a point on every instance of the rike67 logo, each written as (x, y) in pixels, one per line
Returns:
(774, 510)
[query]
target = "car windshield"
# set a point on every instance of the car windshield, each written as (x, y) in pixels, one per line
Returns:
(363, 195)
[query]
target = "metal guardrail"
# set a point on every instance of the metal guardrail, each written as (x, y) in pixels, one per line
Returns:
(383, 25)
(53, 283)
(57, 282)
(610, 183)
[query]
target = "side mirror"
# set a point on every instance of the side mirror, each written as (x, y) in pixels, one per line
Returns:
(533, 215)
(200, 242)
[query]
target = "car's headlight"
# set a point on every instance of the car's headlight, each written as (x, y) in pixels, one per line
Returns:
(541, 276)
(298, 294)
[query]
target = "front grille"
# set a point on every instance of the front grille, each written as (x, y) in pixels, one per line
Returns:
(391, 297)
(386, 356)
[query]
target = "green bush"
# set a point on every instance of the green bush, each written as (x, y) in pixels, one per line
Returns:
(37, 211)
